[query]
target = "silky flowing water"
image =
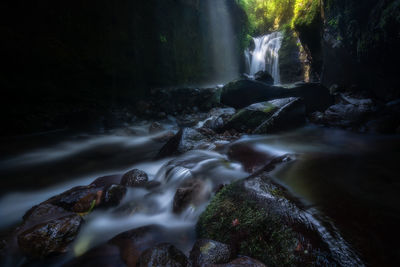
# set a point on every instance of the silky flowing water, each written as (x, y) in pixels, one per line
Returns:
(349, 178)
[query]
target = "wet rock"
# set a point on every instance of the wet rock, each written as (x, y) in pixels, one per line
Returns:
(132, 243)
(244, 92)
(156, 127)
(105, 255)
(78, 199)
(349, 113)
(241, 93)
(251, 157)
(113, 195)
(51, 237)
(217, 118)
(291, 114)
(186, 139)
(316, 97)
(265, 77)
(134, 178)
(206, 252)
(164, 137)
(106, 181)
(190, 192)
(261, 219)
(163, 255)
(251, 117)
(267, 117)
(241, 262)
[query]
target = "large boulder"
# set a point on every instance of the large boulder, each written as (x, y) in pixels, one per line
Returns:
(266, 117)
(206, 252)
(135, 178)
(291, 114)
(261, 219)
(249, 118)
(49, 237)
(241, 93)
(265, 77)
(244, 92)
(163, 255)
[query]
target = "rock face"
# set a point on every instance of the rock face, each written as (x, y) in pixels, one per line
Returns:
(51, 237)
(268, 117)
(163, 255)
(135, 178)
(206, 252)
(260, 219)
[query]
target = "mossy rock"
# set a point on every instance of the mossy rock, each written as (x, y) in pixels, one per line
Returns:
(251, 117)
(260, 219)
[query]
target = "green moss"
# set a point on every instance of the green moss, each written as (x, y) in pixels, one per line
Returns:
(233, 219)
(307, 13)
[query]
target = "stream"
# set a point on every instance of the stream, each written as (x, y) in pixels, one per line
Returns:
(350, 178)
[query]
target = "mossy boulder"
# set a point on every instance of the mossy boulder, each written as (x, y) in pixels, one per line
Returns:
(281, 114)
(260, 219)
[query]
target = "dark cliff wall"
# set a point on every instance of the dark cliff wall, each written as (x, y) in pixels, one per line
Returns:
(66, 57)
(354, 44)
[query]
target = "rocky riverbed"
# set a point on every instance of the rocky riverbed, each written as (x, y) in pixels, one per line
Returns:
(237, 176)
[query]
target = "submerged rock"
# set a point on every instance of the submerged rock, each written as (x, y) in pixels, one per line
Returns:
(260, 219)
(206, 252)
(51, 237)
(190, 192)
(163, 255)
(113, 195)
(135, 178)
(156, 127)
(106, 255)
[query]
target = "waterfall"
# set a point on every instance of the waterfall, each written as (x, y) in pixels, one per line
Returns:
(265, 56)
(225, 63)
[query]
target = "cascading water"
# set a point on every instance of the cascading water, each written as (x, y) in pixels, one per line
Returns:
(223, 46)
(265, 56)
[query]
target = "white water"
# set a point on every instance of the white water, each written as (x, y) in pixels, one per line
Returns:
(265, 56)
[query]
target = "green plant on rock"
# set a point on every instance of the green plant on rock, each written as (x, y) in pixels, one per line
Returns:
(235, 220)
